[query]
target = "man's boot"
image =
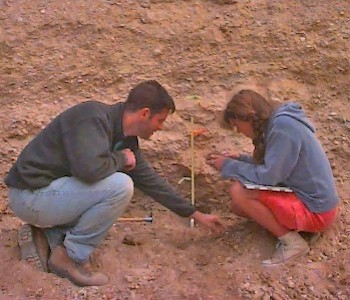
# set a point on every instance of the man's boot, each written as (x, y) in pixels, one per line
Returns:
(34, 247)
(62, 265)
(290, 245)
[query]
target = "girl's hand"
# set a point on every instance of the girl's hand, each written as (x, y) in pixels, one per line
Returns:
(216, 161)
(230, 155)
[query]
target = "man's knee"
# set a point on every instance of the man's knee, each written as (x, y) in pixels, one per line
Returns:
(122, 186)
(125, 186)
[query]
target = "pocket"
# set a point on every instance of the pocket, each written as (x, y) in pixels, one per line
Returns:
(281, 206)
(299, 216)
(307, 220)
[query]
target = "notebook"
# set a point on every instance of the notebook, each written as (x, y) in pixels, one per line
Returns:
(261, 187)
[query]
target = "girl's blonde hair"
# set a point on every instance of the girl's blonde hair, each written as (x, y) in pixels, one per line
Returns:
(248, 105)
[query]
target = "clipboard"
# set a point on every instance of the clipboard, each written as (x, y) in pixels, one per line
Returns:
(253, 186)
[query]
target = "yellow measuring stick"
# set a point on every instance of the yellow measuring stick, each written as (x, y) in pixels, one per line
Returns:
(192, 169)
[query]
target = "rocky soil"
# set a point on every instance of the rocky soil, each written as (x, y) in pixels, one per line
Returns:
(54, 54)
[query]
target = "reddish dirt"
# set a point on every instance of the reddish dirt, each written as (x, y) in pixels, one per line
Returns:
(55, 54)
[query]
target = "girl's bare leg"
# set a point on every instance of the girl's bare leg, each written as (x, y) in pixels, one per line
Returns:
(245, 203)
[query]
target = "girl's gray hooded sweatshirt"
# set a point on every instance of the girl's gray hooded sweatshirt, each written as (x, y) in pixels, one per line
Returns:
(294, 157)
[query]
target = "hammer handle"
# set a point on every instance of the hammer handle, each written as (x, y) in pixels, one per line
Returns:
(147, 219)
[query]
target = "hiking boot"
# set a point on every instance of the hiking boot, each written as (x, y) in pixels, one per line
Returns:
(290, 245)
(62, 265)
(34, 246)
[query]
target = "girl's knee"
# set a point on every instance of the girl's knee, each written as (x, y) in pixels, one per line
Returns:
(240, 199)
(236, 209)
(236, 193)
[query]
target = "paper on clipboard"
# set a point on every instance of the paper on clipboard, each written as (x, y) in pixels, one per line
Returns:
(253, 186)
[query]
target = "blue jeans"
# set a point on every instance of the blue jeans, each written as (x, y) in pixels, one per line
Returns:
(73, 213)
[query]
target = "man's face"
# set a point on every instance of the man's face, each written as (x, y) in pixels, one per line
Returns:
(151, 123)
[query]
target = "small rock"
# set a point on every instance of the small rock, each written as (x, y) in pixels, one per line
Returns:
(129, 240)
(145, 4)
(157, 52)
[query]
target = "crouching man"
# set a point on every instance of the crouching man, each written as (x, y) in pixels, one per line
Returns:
(77, 176)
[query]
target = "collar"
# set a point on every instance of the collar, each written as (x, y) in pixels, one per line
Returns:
(117, 113)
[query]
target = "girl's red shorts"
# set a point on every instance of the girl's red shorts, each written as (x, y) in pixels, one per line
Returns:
(293, 214)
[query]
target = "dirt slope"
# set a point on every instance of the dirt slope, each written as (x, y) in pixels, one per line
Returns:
(54, 54)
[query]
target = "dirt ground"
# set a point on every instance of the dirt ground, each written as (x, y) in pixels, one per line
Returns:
(57, 53)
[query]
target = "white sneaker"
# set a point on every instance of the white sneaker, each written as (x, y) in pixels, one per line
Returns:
(289, 246)
(311, 237)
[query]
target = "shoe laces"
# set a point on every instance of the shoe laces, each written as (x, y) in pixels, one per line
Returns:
(280, 248)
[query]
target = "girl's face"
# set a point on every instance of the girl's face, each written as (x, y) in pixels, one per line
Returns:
(244, 127)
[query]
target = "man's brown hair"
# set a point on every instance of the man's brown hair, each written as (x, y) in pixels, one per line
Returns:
(150, 94)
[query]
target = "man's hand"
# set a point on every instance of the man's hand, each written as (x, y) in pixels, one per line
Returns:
(130, 160)
(213, 222)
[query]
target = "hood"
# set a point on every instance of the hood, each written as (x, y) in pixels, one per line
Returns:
(295, 111)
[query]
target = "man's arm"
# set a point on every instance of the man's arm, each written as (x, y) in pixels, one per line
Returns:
(152, 184)
(88, 151)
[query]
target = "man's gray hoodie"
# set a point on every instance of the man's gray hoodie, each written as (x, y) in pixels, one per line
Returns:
(294, 157)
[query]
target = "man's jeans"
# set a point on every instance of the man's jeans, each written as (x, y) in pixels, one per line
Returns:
(74, 213)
